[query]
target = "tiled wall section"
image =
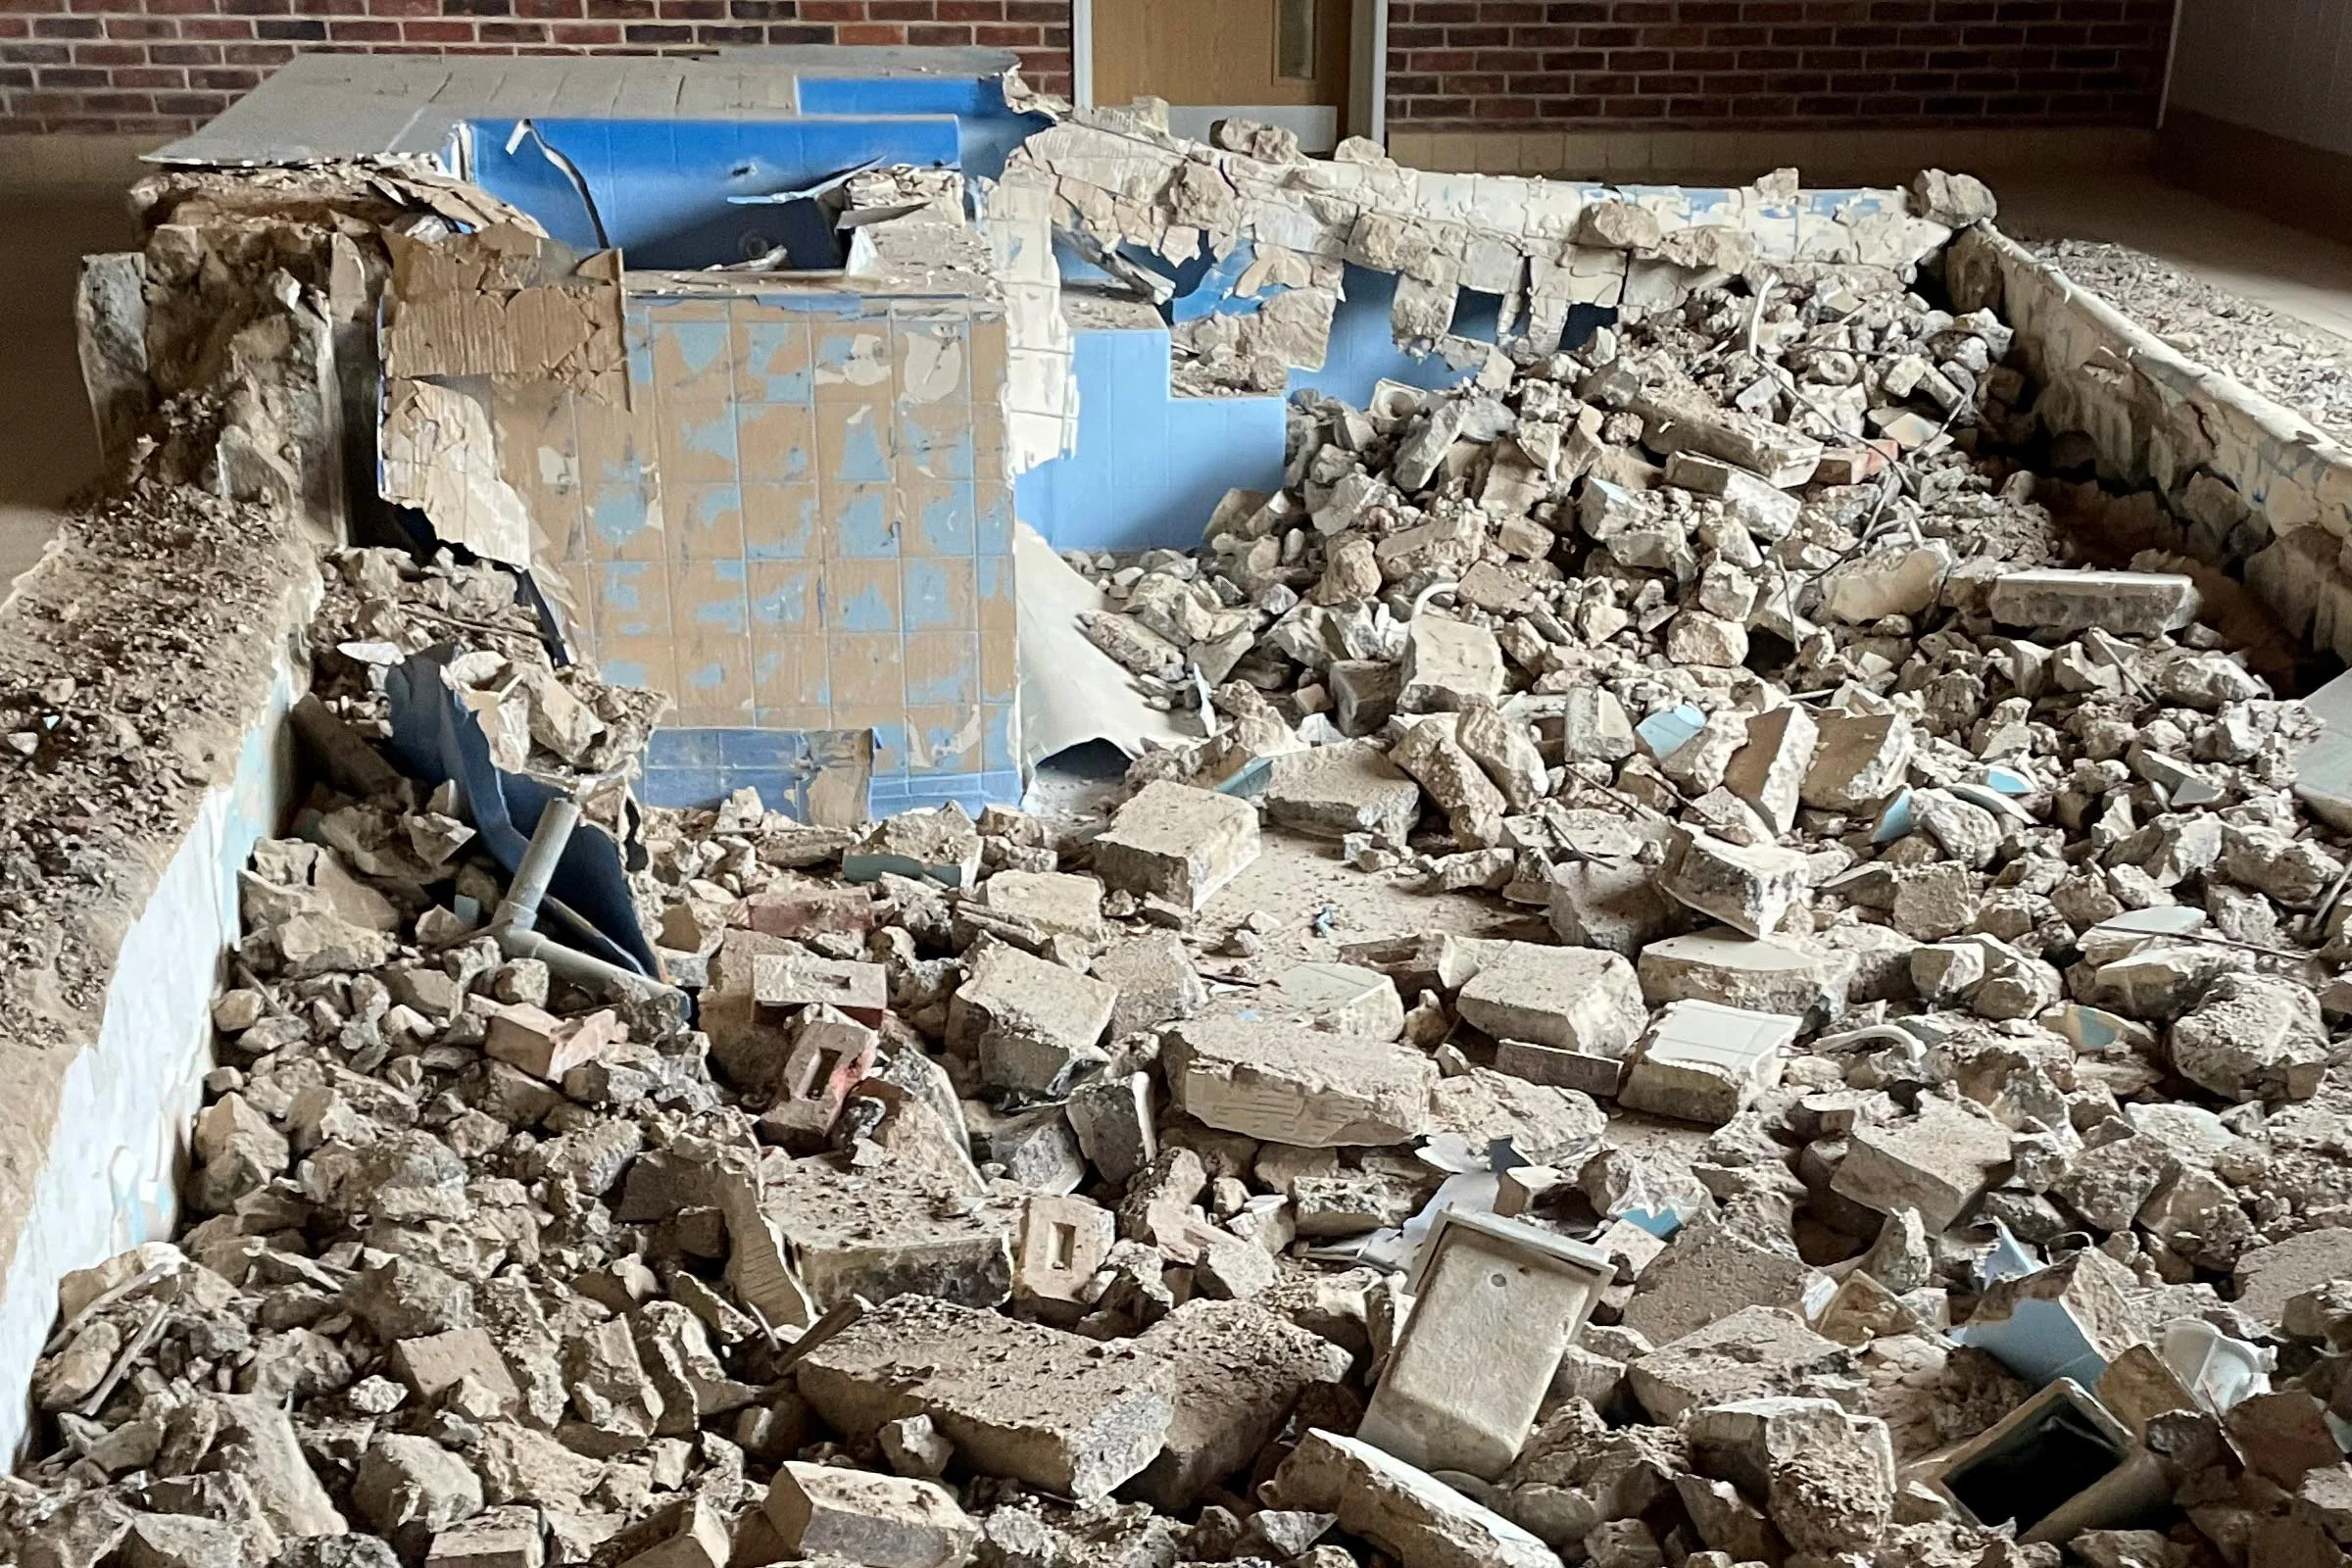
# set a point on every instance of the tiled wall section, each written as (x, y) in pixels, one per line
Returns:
(800, 524)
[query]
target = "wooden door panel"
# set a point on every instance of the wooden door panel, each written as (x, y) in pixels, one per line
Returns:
(1215, 52)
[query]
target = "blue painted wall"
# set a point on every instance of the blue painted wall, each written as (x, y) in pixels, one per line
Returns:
(662, 186)
(988, 129)
(1150, 467)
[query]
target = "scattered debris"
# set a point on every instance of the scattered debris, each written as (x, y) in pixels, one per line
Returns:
(1922, 1143)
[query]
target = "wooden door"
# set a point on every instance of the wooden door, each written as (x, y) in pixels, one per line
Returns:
(1283, 61)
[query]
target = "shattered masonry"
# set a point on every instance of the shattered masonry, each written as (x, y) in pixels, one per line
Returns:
(1820, 1042)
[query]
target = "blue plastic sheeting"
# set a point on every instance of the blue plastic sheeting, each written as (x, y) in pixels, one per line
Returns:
(988, 128)
(1150, 467)
(437, 738)
(661, 185)
(700, 767)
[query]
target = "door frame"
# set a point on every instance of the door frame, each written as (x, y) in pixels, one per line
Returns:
(1367, 75)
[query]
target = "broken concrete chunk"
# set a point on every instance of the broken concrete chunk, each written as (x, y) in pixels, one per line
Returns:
(1448, 666)
(1707, 1063)
(1860, 760)
(2123, 604)
(878, 1229)
(1017, 1400)
(1756, 1351)
(1572, 999)
(1776, 974)
(1034, 1024)
(1333, 791)
(1157, 983)
(1937, 1162)
(2252, 1037)
(1417, 1519)
(1340, 997)
(1236, 1371)
(880, 1521)
(1749, 888)
(1285, 1083)
(1769, 769)
(1176, 843)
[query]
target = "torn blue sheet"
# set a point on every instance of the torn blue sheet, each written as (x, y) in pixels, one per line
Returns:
(437, 739)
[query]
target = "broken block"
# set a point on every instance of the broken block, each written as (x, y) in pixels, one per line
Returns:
(1769, 769)
(831, 1054)
(938, 843)
(1747, 887)
(1032, 1022)
(1826, 1477)
(1762, 508)
(1340, 997)
(803, 909)
(877, 1520)
(1448, 666)
(1056, 902)
(1757, 1351)
(1018, 1400)
(875, 1231)
(434, 1364)
(1112, 1118)
(1859, 759)
(1707, 1063)
(1458, 1395)
(1063, 1241)
(1771, 974)
(790, 980)
(1176, 843)
(1285, 1083)
(1156, 980)
(1610, 904)
(1938, 1162)
(1236, 1371)
(1332, 791)
(1572, 999)
(1709, 1272)
(495, 1537)
(1406, 1512)
(2064, 602)
(547, 1047)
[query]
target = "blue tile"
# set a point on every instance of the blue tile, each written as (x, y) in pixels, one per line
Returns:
(682, 787)
(685, 748)
(762, 747)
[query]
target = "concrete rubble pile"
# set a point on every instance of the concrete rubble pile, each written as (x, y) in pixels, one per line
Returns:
(1889, 1114)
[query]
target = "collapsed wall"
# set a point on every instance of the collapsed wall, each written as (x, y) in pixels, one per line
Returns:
(548, 1275)
(148, 663)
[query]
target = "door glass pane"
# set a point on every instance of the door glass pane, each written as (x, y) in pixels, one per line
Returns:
(1295, 39)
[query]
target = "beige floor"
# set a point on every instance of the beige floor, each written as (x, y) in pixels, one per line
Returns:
(2296, 273)
(48, 449)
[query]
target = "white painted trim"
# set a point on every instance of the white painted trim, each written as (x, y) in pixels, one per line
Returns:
(2171, 58)
(1367, 115)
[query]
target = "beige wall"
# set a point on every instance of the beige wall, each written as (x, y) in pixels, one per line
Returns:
(2282, 67)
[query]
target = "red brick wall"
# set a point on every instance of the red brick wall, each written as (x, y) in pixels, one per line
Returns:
(1503, 65)
(164, 67)
(160, 66)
